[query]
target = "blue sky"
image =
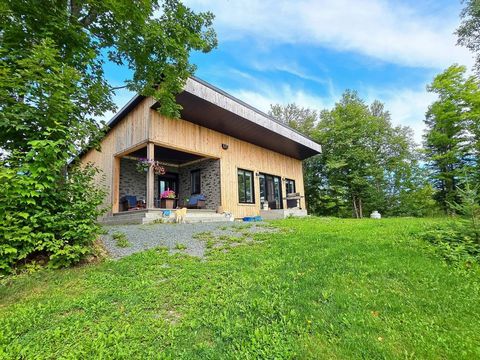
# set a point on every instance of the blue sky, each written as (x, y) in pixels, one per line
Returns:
(310, 51)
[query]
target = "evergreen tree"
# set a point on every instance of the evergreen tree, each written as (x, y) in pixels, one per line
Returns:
(451, 139)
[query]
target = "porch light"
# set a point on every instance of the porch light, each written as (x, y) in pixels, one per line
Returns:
(224, 146)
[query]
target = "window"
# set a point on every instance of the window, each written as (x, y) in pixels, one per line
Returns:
(290, 186)
(195, 181)
(263, 190)
(270, 191)
(245, 187)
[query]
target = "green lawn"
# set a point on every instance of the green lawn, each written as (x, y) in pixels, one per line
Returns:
(326, 288)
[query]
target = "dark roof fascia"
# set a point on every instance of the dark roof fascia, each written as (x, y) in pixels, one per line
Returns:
(137, 99)
(231, 97)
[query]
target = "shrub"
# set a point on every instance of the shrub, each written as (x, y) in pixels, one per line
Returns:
(48, 209)
(47, 213)
(459, 240)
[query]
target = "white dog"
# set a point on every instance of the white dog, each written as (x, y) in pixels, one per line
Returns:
(180, 215)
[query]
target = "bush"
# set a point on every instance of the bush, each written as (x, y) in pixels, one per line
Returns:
(45, 212)
(459, 240)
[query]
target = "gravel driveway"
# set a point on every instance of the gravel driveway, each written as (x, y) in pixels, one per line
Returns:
(193, 239)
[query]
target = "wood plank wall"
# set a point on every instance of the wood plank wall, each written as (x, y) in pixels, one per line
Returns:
(130, 133)
(190, 137)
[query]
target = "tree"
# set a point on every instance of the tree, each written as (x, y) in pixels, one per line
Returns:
(366, 164)
(469, 30)
(298, 118)
(45, 210)
(152, 38)
(451, 139)
(52, 86)
(365, 155)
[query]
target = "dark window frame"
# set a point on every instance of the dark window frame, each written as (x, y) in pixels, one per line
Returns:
(294, 186)
(193, 188)
(280, 181)
(245, 186)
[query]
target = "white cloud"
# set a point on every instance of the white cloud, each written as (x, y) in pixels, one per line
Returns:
(265, 95)
(406, 106)
(385, 30)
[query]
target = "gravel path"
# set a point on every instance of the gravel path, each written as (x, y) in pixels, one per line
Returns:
(192, 239)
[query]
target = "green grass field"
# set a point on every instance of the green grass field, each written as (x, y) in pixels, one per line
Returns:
(323, 288)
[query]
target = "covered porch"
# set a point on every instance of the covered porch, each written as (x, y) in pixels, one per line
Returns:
(154, 177)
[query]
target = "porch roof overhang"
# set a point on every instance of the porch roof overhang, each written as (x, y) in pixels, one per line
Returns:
(210, 107)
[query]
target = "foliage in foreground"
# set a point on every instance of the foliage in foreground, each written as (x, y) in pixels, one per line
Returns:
(44, 219)
(459, 239)
(324, 288)
(52, 89)
(48, 210)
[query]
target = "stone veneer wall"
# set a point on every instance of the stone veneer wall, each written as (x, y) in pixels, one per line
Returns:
(131, 181)
(209, 182)
(134, 183)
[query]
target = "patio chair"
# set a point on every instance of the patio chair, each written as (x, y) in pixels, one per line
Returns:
(129, 202)
(196, 202)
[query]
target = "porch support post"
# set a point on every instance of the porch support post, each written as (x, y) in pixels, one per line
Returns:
(116, 185)
(150, 176)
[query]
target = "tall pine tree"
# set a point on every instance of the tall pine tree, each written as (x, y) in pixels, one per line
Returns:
(451, 139)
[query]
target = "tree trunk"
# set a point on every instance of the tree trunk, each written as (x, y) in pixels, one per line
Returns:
(360, 209)
(355, 206)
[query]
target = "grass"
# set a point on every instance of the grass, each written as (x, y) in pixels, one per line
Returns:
(121, 240)
(179, 246)
(329, 288)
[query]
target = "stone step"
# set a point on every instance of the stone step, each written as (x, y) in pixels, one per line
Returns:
(147, 217)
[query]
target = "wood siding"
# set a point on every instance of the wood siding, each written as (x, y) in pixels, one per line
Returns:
(144, 125)
(128, 135)
(186, 136)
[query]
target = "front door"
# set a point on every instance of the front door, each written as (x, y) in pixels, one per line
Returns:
(168, 181)
(270, 191)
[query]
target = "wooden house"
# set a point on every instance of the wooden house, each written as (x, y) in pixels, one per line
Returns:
(239, 160)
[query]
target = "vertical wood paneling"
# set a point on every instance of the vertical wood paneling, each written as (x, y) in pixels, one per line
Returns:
(190, 137)
(131, 130)
(116, 184)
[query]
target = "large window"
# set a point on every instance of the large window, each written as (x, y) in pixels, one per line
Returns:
(290, 186)
(245, 187)
(195, 181)
(270, 192)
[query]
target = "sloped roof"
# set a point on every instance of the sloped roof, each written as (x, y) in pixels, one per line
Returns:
(213, 108)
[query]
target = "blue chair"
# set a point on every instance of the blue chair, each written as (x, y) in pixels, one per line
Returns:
(196, 202)
(129, 202)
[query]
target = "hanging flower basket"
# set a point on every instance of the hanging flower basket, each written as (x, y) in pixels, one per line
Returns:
(144, 164)
(158, 169)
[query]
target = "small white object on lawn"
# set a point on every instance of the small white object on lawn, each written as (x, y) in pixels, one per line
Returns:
(375, 215)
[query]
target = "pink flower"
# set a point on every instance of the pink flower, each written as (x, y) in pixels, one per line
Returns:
(168, 194)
